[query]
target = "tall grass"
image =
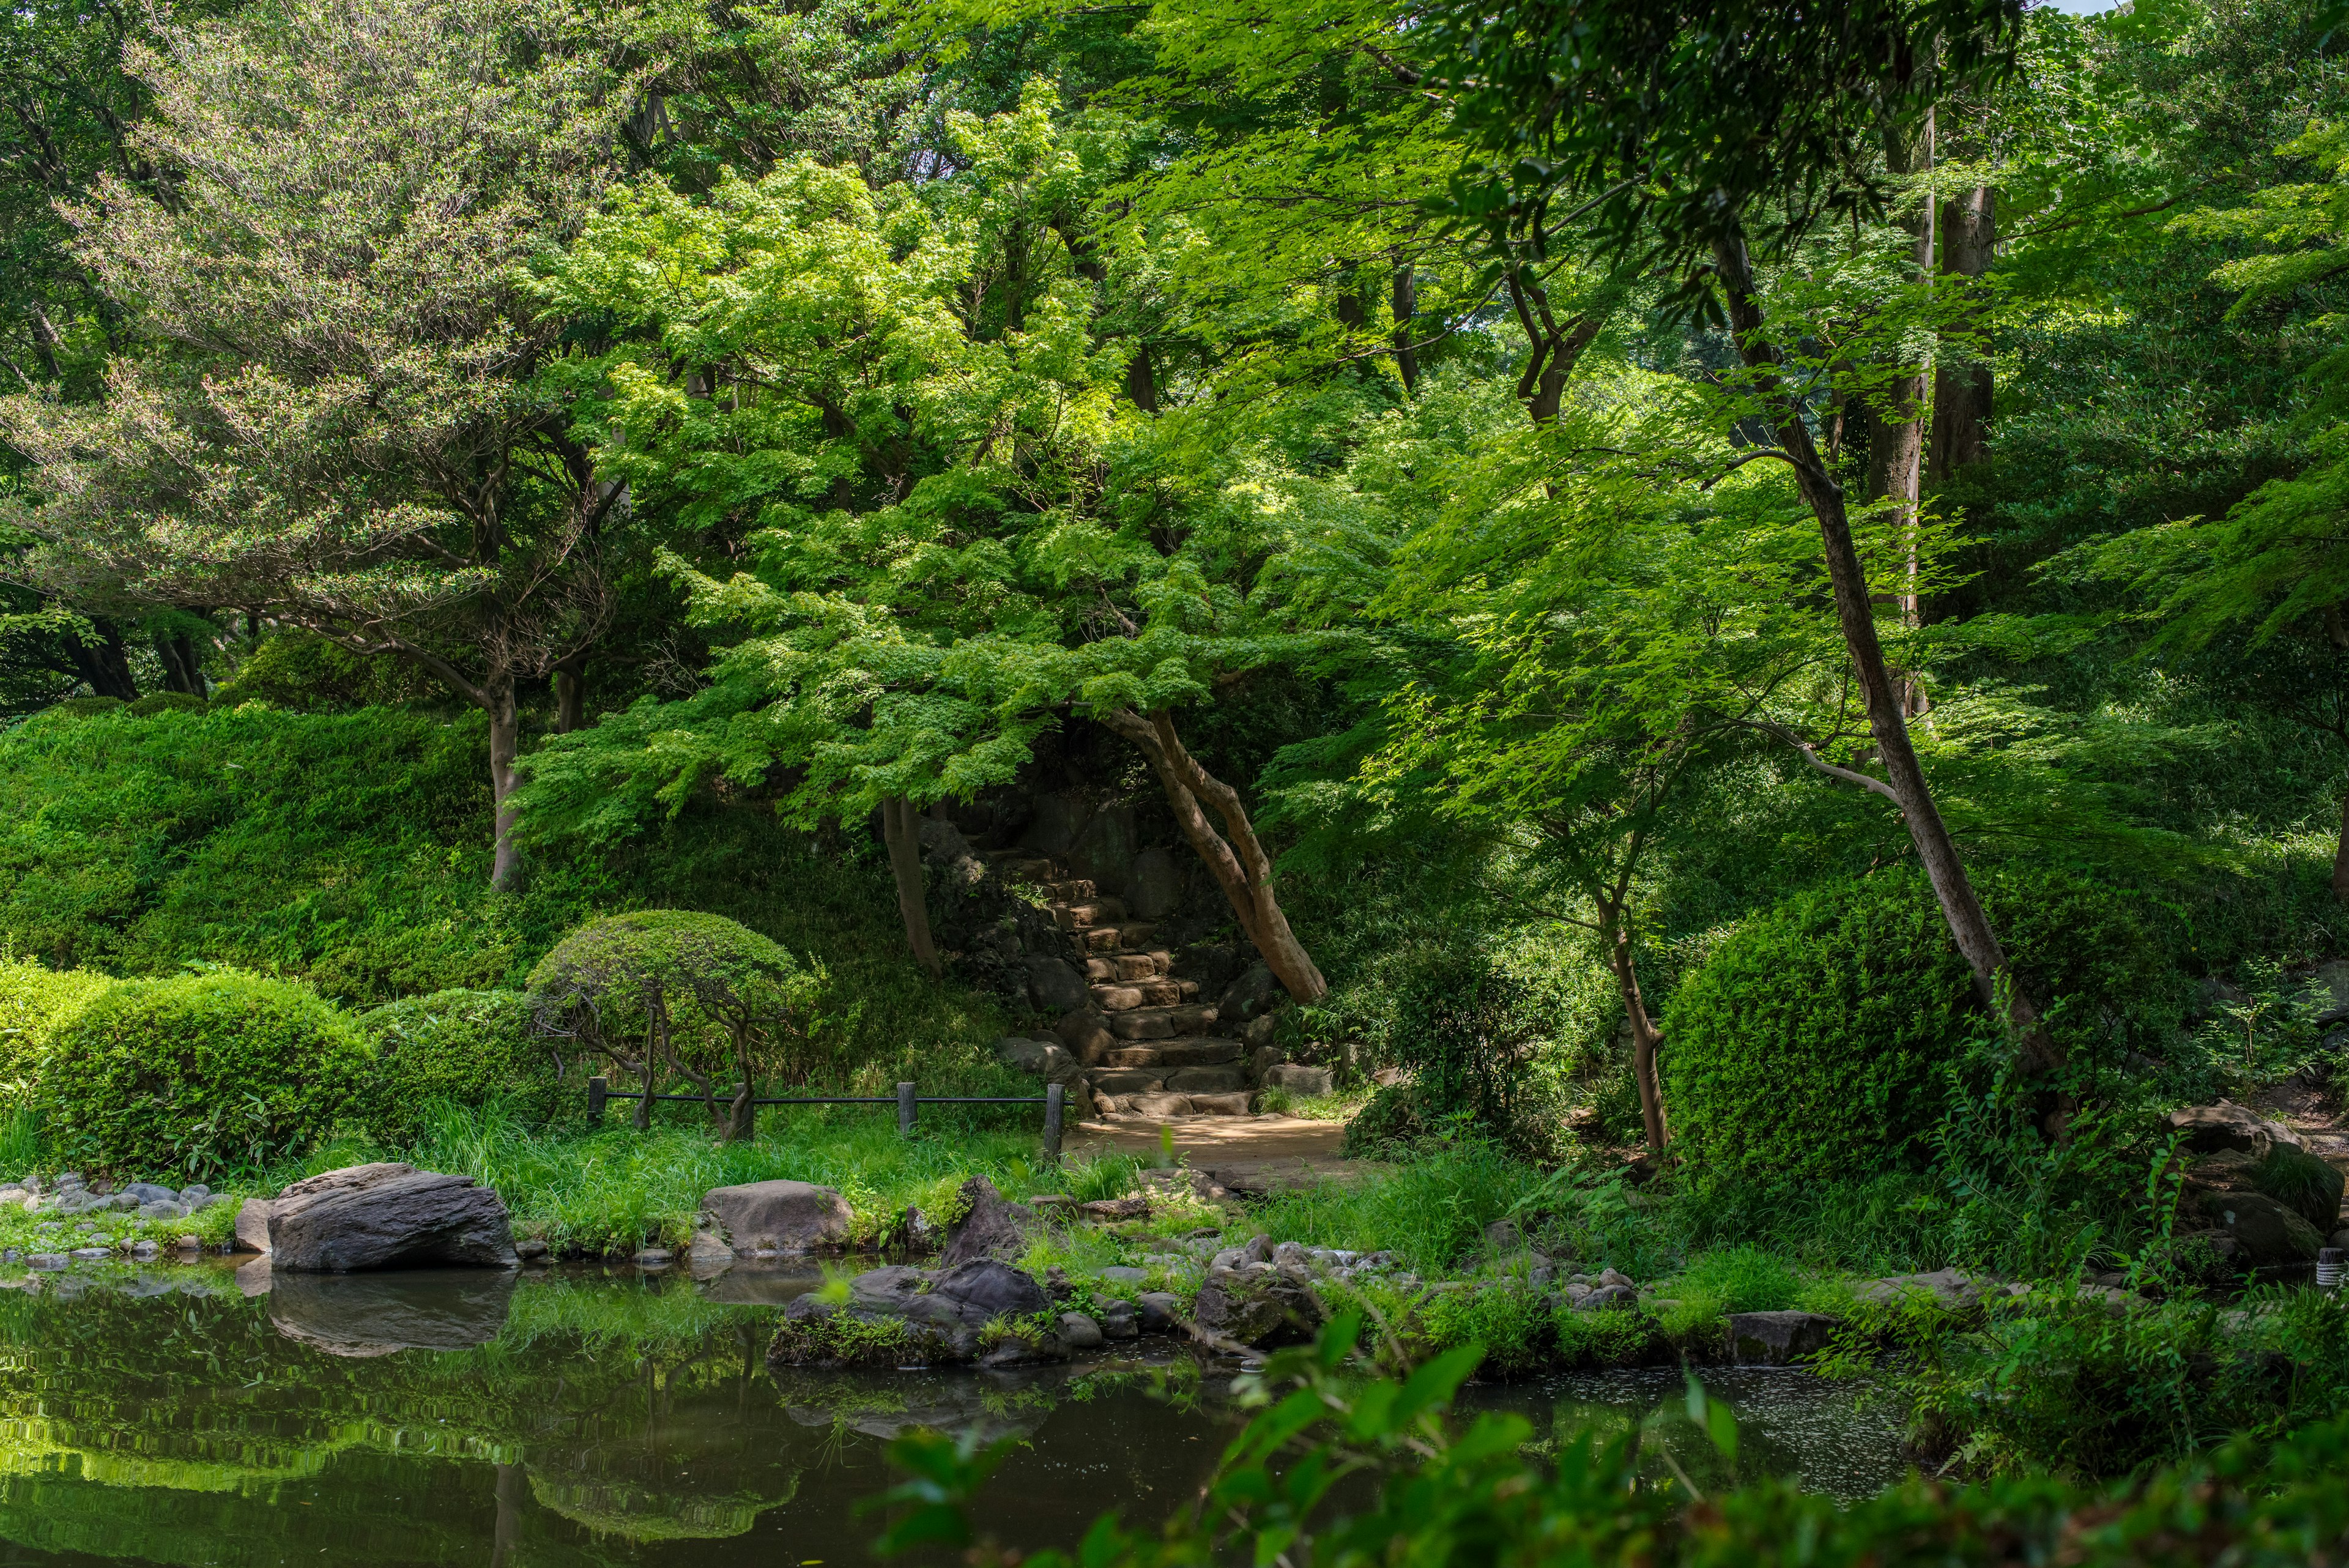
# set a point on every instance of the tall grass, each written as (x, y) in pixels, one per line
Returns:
(614, 1189)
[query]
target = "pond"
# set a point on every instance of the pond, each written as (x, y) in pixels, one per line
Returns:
(184, 1414)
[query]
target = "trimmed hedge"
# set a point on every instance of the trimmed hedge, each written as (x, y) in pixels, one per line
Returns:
(1817, 1040)
(35, 1003)
(202, 1074)
(465, 1047)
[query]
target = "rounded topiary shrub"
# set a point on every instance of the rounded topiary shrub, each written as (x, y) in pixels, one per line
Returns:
(1817, 1040)
(35, 1003)
(469, 1047)
(202, 1074)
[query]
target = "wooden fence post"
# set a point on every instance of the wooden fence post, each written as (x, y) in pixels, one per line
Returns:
(906, 1110)
(1055, 1095)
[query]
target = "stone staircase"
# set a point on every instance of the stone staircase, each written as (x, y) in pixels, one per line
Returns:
(1146, 1041)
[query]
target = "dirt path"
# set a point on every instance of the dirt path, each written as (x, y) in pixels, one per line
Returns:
(1247, 1155)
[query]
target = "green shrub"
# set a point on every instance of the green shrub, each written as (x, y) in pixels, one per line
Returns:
(203, 1074)
(1816, 1041)
(1389, 1126)
(34, 1002)
(469, 1047)
(167, 703)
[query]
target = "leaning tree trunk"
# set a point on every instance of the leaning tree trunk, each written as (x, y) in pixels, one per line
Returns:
(1645, 1037)
(1969, 924)
(901, 831)
(2341, 856)
(1235, 857)
(505, 750)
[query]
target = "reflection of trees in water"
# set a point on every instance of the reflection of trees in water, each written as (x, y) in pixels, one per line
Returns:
(145, 1421)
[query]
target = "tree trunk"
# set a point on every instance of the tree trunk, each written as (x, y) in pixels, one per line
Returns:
(1969, 925)
(1644, 1034)
(1896, 417)
(1961, 379)
(2341, 856)
(1142, 381)
(103, 663)
(1237, 862)
(741, 1116)
(1406, 305)
(570, 693)
(1555, 349)
(901, 831)
(505, 745)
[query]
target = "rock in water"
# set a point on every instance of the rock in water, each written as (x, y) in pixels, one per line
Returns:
(993, 1227)
(388, 1216)
(1260, 1310)
(996, 1289)
(1777, 1338)
(779, 1215)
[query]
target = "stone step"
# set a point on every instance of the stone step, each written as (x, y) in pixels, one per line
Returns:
(1227, 1078)
(1030, 870)
(1190, 1051)
(1076, 891)
(1166, 1107)
(1084, 916)
(1124, 996)
(1144, 966)
(1161, 1023)
(1107, 939)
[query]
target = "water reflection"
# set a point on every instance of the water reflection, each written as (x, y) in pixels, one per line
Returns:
(198, 1415)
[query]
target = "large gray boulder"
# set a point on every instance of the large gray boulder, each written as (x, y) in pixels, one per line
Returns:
(2266, 1232)
(1055, 985)
(1305, 1082)
(387, 1216)
(1157, 890)
(778, 1217)
(1047, 1059)
(2207, 1129)
(1253, 994)
(991, 1226)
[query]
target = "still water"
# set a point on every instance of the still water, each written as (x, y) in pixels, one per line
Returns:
(175, 1415)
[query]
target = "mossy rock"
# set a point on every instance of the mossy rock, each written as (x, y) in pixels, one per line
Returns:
(2308, 1186)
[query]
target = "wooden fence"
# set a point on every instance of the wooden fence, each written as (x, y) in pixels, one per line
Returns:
(1054, 1100)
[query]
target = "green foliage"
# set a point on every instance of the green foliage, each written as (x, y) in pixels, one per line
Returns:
(1818, 1039)
(2063, 1385)
(205, 1075)
(467, 1047)
(35, 1003)
(306, 673)
(1430, 1492)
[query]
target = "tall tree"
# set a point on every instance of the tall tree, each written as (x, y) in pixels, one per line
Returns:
(964, 529)
(326, 414)
(1685, 132)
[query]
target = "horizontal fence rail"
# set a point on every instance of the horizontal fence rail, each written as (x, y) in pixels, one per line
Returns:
(1054, 1099)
